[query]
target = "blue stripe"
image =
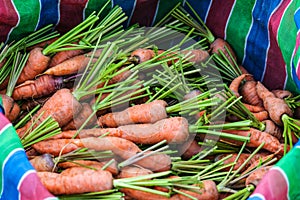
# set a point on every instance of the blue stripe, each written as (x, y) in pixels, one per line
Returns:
(297, 18)
(201, 7)
(258, 38)
(295, 77)
(49, 13)
(127, 7)
(16, 166)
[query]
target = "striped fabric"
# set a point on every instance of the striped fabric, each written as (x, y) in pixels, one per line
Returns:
(18, 179)
(263, 33)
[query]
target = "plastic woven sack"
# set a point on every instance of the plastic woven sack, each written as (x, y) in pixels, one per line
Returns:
(263, 33)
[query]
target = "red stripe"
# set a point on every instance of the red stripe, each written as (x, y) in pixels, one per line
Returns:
(218, 15)
(32, 188)
(297, 49)
(8, 18)
(275, 61)
(144, 12)
(71, 14)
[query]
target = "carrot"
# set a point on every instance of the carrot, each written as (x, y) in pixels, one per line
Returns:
(254, 162)
(249, 93)
(61, 107)
(192, 150)
(257, 137)
(133, 171)
(281, 94)
(254, 108)
(144, 113)
(43, 44)
(273, 129)
(262, 115)
(79, 119)
(241, 160)
(192, 94)
(76, 180)
(36, 64)
(11, 108)
(255, 177)
(112, 168)
(121, 147)
(174, 130)
(72, 65)
(142, 195)
(235, 84)
(244, 71)
(4, 84)
(220, 45)
(142, 55)
(30, 104)
(275, 106)
(42, 86)
(42, 163)
(207, 191)
(196, 55)
(63, 56)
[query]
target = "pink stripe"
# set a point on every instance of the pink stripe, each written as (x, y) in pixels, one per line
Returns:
(275, 61)
(3, 121)
(296, 49)
(32, 188)
(217, 18)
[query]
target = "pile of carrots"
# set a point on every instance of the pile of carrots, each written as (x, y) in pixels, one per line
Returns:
(106, 113)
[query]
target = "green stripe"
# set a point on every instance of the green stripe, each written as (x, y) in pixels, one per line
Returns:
(97, 5)
(237, 38)
(287, 34)
(163, 8)
(28, 11)
(1, 101)
(9, 141)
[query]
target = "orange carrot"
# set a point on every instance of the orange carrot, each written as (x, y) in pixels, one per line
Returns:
(257, 137)
(141, 195)
(241, 160)
(192, 150)
(63, 56)
(262, 115)
(207, 191)
(76, 180)
(273, 129)
(144, 113)
(79, 119)
(62, 106)
(219, 45)
(72, 65)
(275, 106)
(43, 163)
(235, 84)
(30, 104)
(253, 108)
(249, 93)
(174, 130)
(133, 171)
(281, 94)
(142, 55)
(121, 147)
(255, 177)
(196, 55)
(112, 168)
(244, 71)
(4, 84)
(192, 94)
(257, 161)
(43, 44)
(42, 86)
(35, 65)
(11, 108)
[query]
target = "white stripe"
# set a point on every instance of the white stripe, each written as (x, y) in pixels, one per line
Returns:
(183, 3)
(129, 19)
(258, 196)
(204, 20)
(228, 19)
(4, 163)
(8, 35)
(51, 198)
(22, 178)
(38, 22)
(5, 127)
(268, 48)
(156, 11)
(246, 39)
(112, 3)
(285, 177)
(83, 14)
(58, 14)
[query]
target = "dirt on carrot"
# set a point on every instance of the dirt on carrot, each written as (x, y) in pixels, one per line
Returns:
(36, 64)
(273, 129)
(11, 108)
(43, 163)
(281, 94)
